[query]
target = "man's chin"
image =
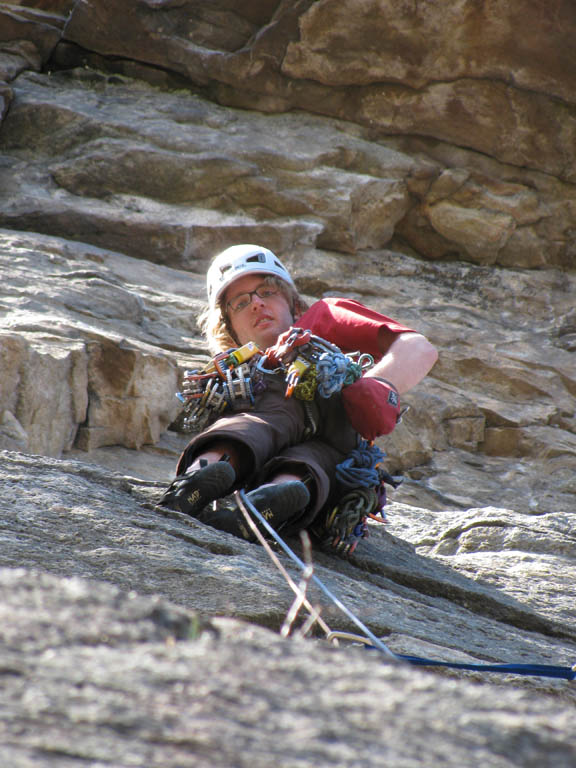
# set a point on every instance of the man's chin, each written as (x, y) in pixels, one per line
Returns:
(265, 336)
(266, 340)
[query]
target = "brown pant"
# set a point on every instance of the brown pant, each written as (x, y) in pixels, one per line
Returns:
(274, 434)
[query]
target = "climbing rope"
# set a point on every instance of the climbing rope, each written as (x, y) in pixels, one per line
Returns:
(242, 498)
(372, 641)
(363, 481)
(360, 468)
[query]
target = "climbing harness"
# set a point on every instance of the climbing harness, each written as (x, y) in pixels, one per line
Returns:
(362, 482)
(369, 639)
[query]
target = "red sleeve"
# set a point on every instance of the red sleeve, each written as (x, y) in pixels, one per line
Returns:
(350, 325)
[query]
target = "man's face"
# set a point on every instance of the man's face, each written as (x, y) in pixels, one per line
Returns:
(263, 319)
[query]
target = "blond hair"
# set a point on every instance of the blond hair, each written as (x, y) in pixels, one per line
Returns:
(215, 323)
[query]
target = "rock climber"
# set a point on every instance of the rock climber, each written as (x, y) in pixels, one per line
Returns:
(285, 449)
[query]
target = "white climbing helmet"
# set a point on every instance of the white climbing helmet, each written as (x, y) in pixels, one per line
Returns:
(240, 260)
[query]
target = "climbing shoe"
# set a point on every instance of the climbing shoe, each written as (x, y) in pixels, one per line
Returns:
(193, 491)
(279, 504)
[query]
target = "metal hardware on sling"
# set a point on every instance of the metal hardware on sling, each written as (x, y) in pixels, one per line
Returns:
(261, 366)
(311, 365)
(314, 365)
(228, 381)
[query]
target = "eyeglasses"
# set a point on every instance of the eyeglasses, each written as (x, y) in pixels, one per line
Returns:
(243, 300)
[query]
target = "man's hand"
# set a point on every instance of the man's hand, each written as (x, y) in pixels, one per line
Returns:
(372, 406)
(286, 347)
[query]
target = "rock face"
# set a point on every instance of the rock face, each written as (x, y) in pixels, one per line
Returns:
(153, 687)
(97, 668)
(416, 157)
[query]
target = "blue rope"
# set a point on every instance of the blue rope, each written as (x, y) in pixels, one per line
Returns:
(331, 371)
(537, 670)
(359, 468)
(334, 371)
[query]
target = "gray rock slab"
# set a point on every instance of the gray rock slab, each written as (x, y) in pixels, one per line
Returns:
(73, 519)
(94, 675)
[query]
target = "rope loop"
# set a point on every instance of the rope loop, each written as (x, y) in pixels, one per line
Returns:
(331, 370)
(360, 467)
(335, 370)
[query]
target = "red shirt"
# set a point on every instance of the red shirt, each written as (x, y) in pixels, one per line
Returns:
(351, 326)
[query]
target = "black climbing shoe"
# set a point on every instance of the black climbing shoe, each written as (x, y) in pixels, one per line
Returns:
(279, 504)
(193, 491)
